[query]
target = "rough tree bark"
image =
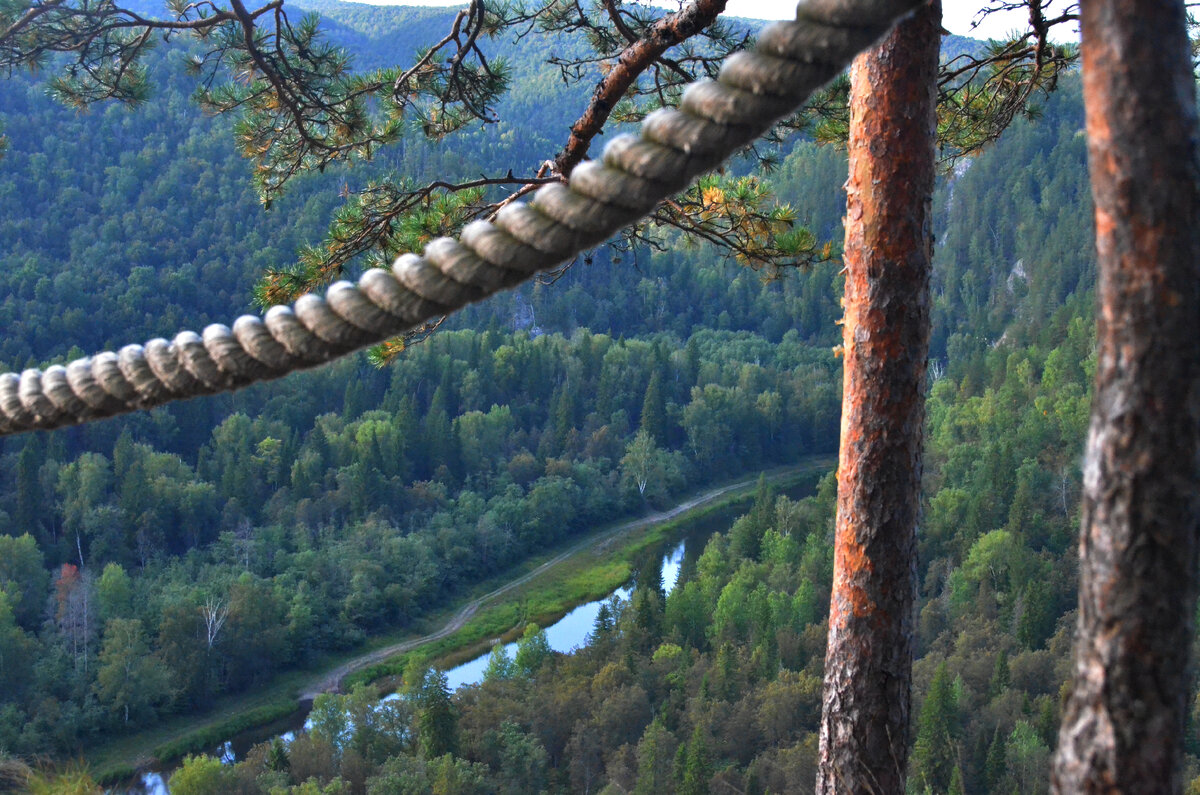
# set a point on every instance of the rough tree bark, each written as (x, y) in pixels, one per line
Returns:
(889, 246)
(1123, 726)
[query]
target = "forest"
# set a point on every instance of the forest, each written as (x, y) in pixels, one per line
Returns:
(153, 564)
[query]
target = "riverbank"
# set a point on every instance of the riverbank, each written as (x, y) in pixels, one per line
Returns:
(588, 570)
(543, 589)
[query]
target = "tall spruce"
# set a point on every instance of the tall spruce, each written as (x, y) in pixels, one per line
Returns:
(697, 770)
(935, 752)
(437, 718)
(654, 410)
(888, 253)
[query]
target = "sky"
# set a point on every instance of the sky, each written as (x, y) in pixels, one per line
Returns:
(956, 14)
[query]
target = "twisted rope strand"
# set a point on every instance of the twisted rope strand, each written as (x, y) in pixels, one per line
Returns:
(714, 119)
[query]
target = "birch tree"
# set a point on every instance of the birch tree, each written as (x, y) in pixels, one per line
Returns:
(215, 611)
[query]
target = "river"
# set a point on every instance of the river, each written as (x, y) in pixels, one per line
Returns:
(675, 558)
(571, 631)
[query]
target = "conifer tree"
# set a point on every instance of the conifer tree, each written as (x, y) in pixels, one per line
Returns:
(437, 719)
(1000, 675)
(889, 248)
(603, 626)
(654, 410)
(654, 756)
(996, 763)
(935, 754)
(1123, 723)
(956, 783)
(647, 617)
(697, 770)
(438, 441)
(27, 516)
(745, 538)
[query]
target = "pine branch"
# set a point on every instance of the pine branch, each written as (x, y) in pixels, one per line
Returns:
(637, 57)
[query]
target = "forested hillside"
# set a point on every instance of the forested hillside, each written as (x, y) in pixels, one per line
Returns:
(320, 510)
(716, 687)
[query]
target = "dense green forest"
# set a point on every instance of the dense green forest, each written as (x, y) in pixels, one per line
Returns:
(309, 514)
(717, 686)
(315, 528)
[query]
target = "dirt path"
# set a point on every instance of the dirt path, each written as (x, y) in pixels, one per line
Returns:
(331, 681)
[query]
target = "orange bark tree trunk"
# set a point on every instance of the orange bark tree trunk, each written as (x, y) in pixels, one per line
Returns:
(889, 246)
(1123, 725)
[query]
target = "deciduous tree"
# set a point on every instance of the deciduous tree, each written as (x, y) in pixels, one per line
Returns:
(75, 611)
(130, 679)
(644, 463)
(24, 578)
(533, 651)
(16, 652)
(114, 592)
(201, 775)
(214, 611)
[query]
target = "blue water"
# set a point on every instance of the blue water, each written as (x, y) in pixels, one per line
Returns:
(571, 631)
(565, 635)
(568, 633)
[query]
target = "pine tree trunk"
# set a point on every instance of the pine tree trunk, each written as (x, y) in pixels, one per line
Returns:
(1123, 725)
(889, 243)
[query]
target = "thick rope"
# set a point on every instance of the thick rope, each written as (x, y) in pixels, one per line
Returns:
(714, 120)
